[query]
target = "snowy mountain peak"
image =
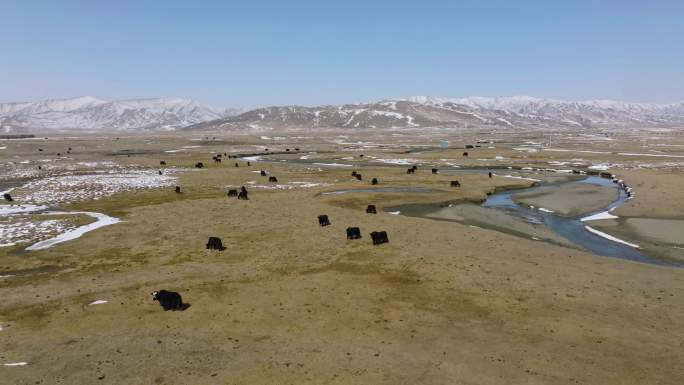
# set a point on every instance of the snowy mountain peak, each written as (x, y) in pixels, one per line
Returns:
(90, 113)
(510, 112)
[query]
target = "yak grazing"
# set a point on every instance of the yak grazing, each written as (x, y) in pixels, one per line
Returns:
(323, 220)
(214, 243)
(169, 300)
(379, 237)
(353, 233)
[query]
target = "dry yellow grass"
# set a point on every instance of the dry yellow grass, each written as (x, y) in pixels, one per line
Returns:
(291, 302)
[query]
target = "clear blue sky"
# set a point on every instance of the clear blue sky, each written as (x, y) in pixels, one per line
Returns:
(251, 53)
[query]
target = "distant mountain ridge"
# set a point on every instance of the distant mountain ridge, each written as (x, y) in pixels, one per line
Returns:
(515, 112)
(468, 112)
(89, 113)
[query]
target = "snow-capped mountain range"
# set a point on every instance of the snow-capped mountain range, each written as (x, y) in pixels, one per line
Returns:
(470, 112)
(89, 113)
(515, 112)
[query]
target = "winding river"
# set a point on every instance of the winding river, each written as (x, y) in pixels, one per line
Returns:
(570, 228)
(573, 228)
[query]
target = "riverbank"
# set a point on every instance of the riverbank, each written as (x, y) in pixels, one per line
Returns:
(569, 201)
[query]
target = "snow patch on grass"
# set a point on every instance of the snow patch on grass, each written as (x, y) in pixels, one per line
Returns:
(599, 216)
(102, 221)
(610, 237)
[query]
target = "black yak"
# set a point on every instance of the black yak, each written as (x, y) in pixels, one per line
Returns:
(232, 193)
(353, 233)
(323, 220)
(490, 174)
(8, 197)
(273, 179)
(199, 165)
(371, 209)
(214, 243)
(162, 163)
(465, 153)
(169, 300)
(411, 171)
(358, 177)
(353, 173)
(455, 183)
(434, 171)
(379, 237)
(263, 173)
(178, 190)
(374, 181)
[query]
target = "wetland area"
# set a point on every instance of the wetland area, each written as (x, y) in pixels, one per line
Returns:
(543, 272)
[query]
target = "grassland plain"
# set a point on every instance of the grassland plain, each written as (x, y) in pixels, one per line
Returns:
(291, 302)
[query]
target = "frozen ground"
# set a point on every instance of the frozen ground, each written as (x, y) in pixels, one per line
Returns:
(101, 221)
(74, 187)
(71, 182)
(16, 230)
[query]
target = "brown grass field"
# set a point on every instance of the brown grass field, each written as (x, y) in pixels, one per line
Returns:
(290, 302)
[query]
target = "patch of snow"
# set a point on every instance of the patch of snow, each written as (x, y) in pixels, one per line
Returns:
(333, 164)
(252, 158)
(102, 221)
(602, 215)
(20, 209)
(98, 302)
(610, 237)
(655, 155)
(526, 149)
(394, 212)
(601, 166)
(77, 187)
(397, 161)
(584, 151)
(518, 177)
(22, 230)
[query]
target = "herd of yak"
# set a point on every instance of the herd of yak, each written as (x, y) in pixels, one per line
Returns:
(170, 300)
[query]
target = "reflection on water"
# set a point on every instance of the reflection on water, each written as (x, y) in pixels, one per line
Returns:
(573, 228)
